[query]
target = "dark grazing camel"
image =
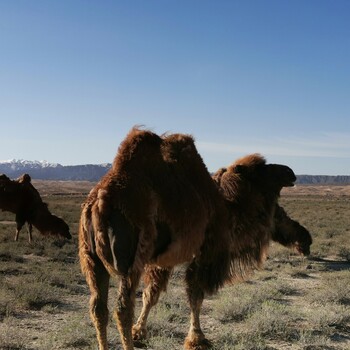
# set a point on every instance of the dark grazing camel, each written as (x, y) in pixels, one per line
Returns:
(21, 198)
(158, 207)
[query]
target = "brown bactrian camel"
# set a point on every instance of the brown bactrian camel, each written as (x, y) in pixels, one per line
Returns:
(21, 198)
(158, 207)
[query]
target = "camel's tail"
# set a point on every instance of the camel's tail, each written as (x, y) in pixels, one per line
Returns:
(102, 236)
(90, 263)
(87, 247)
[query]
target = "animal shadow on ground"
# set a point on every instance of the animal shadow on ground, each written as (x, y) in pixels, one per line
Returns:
(332, 265)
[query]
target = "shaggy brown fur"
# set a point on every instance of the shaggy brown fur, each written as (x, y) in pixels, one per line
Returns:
(21, 198)
(157, 207)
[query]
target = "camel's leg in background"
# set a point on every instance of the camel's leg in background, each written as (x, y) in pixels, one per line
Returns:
(19, 224)
(195, 339)
(124, 311)
(156, 280)
(18, 229)
(30, 230)
(98, 280)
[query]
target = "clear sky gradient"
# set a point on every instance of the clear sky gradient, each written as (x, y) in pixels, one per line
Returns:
(265, 76)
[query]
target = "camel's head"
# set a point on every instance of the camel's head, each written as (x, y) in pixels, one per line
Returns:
(291, 233)
(303, 242)
(300, 238)
(270, 176)
(60, 228)
(280, 175)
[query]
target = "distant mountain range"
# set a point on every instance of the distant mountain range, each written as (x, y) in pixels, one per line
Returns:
(43, 170)
(323, 179)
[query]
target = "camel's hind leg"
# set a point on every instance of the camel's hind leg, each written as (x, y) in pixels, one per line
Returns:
(156, 280)
(19, 224)
(30, 230)
(124, 311)
(195, 339)
(98, 281)
(17, 233)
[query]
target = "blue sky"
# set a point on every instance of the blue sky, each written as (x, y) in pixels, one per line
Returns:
(267, 76)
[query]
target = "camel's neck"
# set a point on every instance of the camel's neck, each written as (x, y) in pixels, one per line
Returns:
(43, 220)
(251, 230)
(237, 243)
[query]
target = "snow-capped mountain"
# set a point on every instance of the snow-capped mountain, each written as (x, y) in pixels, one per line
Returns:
(52, 171)
(21, 163)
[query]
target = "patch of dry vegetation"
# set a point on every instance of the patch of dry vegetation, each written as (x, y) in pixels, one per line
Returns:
(294, 303)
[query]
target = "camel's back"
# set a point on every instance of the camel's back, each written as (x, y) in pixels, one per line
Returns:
(159, 190)
(166, 169)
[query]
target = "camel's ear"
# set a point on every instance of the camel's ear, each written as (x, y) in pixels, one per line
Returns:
(251, 172)
(25, 178)
(218, 175)
(240, 169)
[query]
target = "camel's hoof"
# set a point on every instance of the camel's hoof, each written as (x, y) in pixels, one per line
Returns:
(140, 344)
(197, 344)
(139, 335)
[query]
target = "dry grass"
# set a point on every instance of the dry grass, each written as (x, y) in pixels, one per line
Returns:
(294, 303)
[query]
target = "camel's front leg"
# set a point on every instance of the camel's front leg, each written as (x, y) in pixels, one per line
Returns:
(156, 280)
(124, 311)
(195, 339)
